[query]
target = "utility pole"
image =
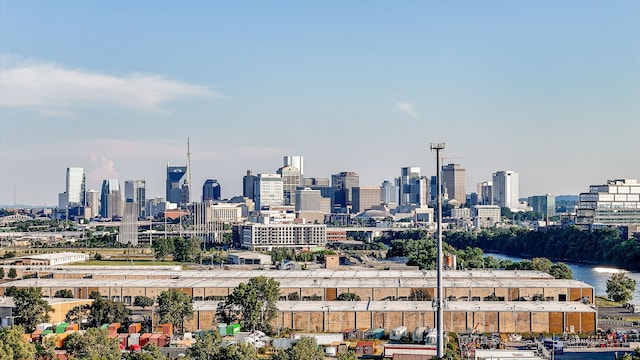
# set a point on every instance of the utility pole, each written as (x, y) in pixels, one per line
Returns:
(439, 300)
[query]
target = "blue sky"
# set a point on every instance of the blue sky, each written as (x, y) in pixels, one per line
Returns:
(550, 89)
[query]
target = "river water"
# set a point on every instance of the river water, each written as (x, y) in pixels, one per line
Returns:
(593, 275)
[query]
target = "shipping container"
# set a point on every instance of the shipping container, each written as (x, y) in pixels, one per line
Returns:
(321, 338)
(360, 333)
(134, 339)
(233, 328)
(364, 348)
(398, 350)
(74, 327)
(418, 334)
(222, 329)
(374, 334)
(43, 326)
(47, 332)
(154, 339)
(167, 329)
(59, 339)
(144, 339)
(164, 341)
(35, 337)
(135, 328)
(60, 328)
(114, 327)
(397, 333)
(123, 340)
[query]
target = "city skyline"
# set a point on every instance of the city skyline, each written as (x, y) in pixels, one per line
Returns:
(549, 90)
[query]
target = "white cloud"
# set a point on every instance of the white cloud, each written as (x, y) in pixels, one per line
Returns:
(407, 109)
(103, 168)
(53, 90)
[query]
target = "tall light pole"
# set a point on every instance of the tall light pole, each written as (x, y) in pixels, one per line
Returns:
(439, 300)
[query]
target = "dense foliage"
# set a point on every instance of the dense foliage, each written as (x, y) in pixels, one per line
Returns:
(182, 249)
(252, 305)
(174, 307)
(30, 308)
(620, 287)
(602, 246)
(93, 344)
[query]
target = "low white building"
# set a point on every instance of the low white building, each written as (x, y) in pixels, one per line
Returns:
(485, 216)
(53, 258)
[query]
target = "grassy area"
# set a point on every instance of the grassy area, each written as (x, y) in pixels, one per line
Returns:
(126, 263)
(603, 301)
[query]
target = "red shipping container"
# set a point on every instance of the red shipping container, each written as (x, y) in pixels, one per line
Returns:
(72, 327)
(114, 327)
(135, 328)
(144, 338)
(163, 341)
(123, 340)
(167, 329)
(155, 339)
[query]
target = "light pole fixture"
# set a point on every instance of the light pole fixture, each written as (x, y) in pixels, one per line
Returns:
(439, 296)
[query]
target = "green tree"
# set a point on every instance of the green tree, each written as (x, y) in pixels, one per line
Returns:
(13, 346)
(206, 347)
(106, 311)
(348, 297)
(305, 348)
(187, 250)
(80, 314)
(12, 273)
(31, 308)
(419, 295)
(174, 307)
(541, 264)
(627, 356)
(163, 247)
(253, 304)
(1, 273)
(148, 352)
(561, 270)
(64, 293)
(45, 350)
(143, 301)
(93, 344)
(620, 287)
(349, 355)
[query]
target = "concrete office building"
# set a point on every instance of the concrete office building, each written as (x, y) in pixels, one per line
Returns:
(413, 188)
(365, 198)
(92, 209)
(543, 204)
(296, 161)
(269, 236)
(268, 191)
(616, 203)
(308, 200)
(134, 191)
(389, 194)
(129, 225)
(248, 183)
(485, 193)
(211, 190)
(454, 182)
(291, 180)
(505, 189)
(486, 216)
(343, 184)
(111, 199)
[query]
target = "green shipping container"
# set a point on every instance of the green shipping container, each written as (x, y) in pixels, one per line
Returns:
(61, 327)
(45, 332)
(104, 326)
(232, 329)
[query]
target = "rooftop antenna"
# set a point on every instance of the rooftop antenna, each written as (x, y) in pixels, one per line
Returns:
(188, 169)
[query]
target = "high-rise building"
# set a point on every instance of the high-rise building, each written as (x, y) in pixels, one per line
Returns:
(291, 180)
(93, 203)
(268, 190)
(413, 188)
(365, 197)
(454, 182)
(177, 185)
(543, 204)
(248, 185)
(342, 184)
(485, 193)
(389, 194)
(211, 190)
(615, 203)
(308, 200)
(505, 189)
(295, 161)
(134, 191)
(75, 186)
(129, 225)
(111, 199)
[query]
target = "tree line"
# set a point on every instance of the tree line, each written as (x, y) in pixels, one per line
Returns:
(602, 246)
